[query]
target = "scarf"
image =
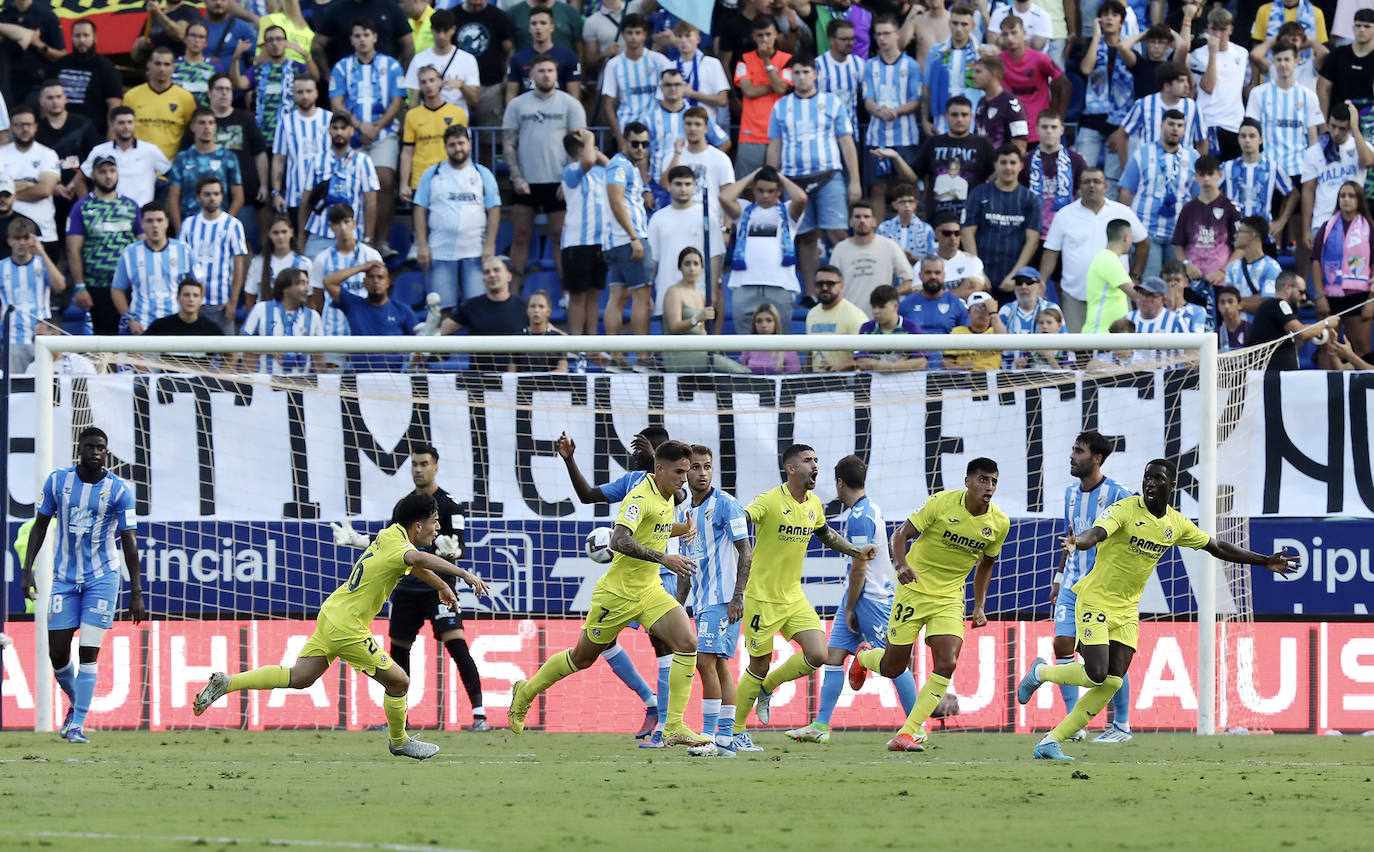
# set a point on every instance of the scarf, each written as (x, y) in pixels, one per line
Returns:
(940, 61)
(789, 248)
(1306, 16)
(1111, 88)
(1330, 150)
(1345, 256)
(263, 78)
(1063, 177)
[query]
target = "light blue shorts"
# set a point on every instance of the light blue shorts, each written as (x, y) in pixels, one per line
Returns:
(872, 627)
(74, 604)
(827, 208)
(1063, 612)
(715, 634)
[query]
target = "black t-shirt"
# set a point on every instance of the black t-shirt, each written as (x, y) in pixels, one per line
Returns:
(1270, 318)
(183, 14)
(734, 35)
(976, 157)
(239, 132)
(340, 15)
(1351, 76)
(451, 514)
(482, 316)
(540, 362)
(72, 142)
(481, 34)
(175, 326)
(27, 67)
(89, 79)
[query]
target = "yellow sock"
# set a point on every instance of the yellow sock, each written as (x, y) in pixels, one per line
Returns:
(871, 659)
(745, 693)
(1089, 705)
(679, 687)
(395, 707)
(1068, 674)
(931, 692)
(795, 667)
(267, 677)
(555, 669)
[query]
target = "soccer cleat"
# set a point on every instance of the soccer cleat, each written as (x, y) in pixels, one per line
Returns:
(66, 722)
(414, 748)
(1050, 751)
(650, 722)
(743, 742)
(810, 734)
(73, 735)
(479, 725)
(761, 708)
(654, 740)
(921, 736)
(1079, 736)
(1030, 683)
(518, 708)
(904, 742)
(1114, 734)
(683, 735)
(708, 750)
(216, 689)
(858, 672)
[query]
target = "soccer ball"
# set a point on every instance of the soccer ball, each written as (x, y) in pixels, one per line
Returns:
(598, 545)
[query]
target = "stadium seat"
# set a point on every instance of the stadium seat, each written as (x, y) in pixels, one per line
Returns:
(505, 233)
(409, 288)
(1052, 291)
(400, 238)
(546, 280)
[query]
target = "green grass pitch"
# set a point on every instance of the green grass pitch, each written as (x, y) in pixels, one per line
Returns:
(497, 791)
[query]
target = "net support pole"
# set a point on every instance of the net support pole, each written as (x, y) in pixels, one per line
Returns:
(1207, 519)
(42, 563)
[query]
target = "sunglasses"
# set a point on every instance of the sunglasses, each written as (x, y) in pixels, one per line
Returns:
(820, 284)
(947, 233)
(637, 143)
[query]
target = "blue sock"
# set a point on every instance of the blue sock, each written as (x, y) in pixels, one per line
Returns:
(832, 684)
(1121, 705)
(906, 690)
(710, 714)
(624, 668)
(725, 723)
(665, 665)
(1068, 693)
(85, 690)
(66, 678)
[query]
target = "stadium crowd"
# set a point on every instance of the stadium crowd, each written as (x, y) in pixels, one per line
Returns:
(374, 167)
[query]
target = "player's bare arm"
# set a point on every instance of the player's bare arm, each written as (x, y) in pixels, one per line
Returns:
(1280, 563)
(899, 545)
(37, 536)
(129, 544)
(840, 544)
(426, 568)
(622, 541)
(586, 492)
(744, 548)
(982, 576)
(858, 573)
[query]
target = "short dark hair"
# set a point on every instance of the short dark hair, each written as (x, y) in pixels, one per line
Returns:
(1116, 228)
(1174, 266)
(26, 109)
(1228, 290)
(1096, 443)
(201, 112)
(275, 27)
(453, 131)
(982, 464)
(1283, 47)
(50, 82)
(424, 450)
(1208, 164)
(671, 451)
(340, 213)
(1167, 72)
(121, 110)
(634, 127)
(1173, 115)
(206, 180)
(1167, 465)
(837, 24)
(861, 205)
(681, 172)
(150, 207)
(1047, 113)
(634, 21)
(533, 12)
(365, 23)
(958, 100)
(541, 58)
(1159, 32)
(702, 450)
(189, 281)
(795, 450)
(769, 174)
(831, 268)
(763, 22)
(1340, 112)
(1254, 122)
(1112, 7)
(441, 20)
(217, 76)
(572, 144)
(852, 471)
(92, 432)
(698, 112)
(1258, 224)
(901, 190)
(654, 434)
(1009, 150)
(1364, 16)
(802, 60)
(883, 294)
(162, 48)
(413, 508)
(90, 23)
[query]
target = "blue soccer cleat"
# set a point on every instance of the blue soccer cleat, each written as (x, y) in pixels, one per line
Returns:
(1050, 750)
(654, 740)
(66, 723)
(73, 735)
(1030, 683)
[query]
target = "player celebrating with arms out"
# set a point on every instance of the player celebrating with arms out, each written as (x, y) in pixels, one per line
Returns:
(784, 520)
(954, 531)
(343, 628)
(631, 591)
(93, 507)
(1133, 534)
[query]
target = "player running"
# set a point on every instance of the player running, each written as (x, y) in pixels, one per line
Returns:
(93, 508)
(1133, 534)
(1082, 503)
(867, 600)
(957, 530)
(343, 628)
(630, 591)
(784, 520)
(722, 552)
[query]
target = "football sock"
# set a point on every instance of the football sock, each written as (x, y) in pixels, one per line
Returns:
(710, 714)
(871, 659)
(832, 684)
(745, 693)
(906, 690)
(401, 654)
(682, 668)
(479, 712)
(1121, 704)
(85, 690)
(725, 724)
(931, 692)
(624, 668)
(1069, 674)
(266, 677)
(1067, 691)
(66, 678)
(665, 665)
(1089, 705)
(395, 707)
(795, 667)
(557, 667)
(467, 670)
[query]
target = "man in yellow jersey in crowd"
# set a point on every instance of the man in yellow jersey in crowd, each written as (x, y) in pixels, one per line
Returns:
(162, 109)
(954, 531)
(1130, 536)
(784, 520)
(344, 626)
(629, 591)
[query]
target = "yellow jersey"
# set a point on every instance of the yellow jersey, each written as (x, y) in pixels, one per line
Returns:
(648, 514)
(353, 605)
(951, 541)
(782, 530)
(424, 128)
(1135, 541)
(162, 117)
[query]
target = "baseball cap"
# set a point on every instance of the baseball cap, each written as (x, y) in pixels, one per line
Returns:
(103, 160)
(978, 298)
(6, 185)
(1153, 284)
(1027, 272)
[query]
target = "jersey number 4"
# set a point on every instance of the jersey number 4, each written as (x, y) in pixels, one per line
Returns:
(355, 578)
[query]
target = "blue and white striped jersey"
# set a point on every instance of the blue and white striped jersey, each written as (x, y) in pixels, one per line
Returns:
(1081, 509)
(863, 524)
(892, 86)
(634, 83)
(151, 277)
(304, 141)
(587, 221)
(329, 261)
(216, 242)
(1190, 318)
(1285, 115)
(271, 319)
(368, 88)
(664, 128)
(809, 129)
(1020, 321)
(24, 288)
(88, 517)
(1165, 322)
(1162, 183)
(1251, 186)
(1253, 279)
(841, 79)
(721, 522)
(1142, 123)
(349, 178)
(917, 237)
(622, 172)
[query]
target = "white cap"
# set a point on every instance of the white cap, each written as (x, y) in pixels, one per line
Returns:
(6, 184)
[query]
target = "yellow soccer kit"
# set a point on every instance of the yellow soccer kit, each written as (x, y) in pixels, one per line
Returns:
(344, 626)
(161, 117)
(1108, 608)
(949, 546)
(424, 128)
(630, 589)
(773, 598)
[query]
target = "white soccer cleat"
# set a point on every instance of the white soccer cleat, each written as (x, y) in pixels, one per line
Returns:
(1079, 737)
(1114, 734)
(414, 748)
(707, 750)
(743, 742)
(762, 706)
(216, 689)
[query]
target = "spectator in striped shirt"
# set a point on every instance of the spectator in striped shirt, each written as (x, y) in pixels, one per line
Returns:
(277, 254)
(1252, 179)
(839, 71)
(221, 248)
(1143, 125)
(706, 83)
(629, 83)
(286, 314)
(1341, 154)
(1157, 180)
(27, 278)
(1022, 315)
(345, 175)
(892, 97)
(299, 143)
(585, 229)
(666, 123)
(145, 281)
(629, 259)
(1253, 274)
(915, 238)
(1189, 306)
(1150, 316)
(949, 71)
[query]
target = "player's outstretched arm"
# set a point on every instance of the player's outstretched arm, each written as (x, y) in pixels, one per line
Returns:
(426, 567)
(1280, 563)
(840, 544)
(622, 541)
(744, 548)
(982, 577)
(900, 543)
(37, 535)
(1087, 540)
(586, 492)
(129, 544)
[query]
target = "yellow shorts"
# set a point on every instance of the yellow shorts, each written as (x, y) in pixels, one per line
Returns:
(762, 620)
(1098, 625)
(912, 610)
(611, 613)
(362, 651)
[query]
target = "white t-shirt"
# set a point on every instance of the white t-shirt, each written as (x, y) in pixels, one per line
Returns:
(30, 165)
(139, 167)
(454, 65)
(713, 170)
(1329, 177)
(865, 268)
(763, 252)
(962, 265)
(670, 231)
(1225, 107)
(254, 278)
(603, 26)
(1036, 21)
(1078, 234)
